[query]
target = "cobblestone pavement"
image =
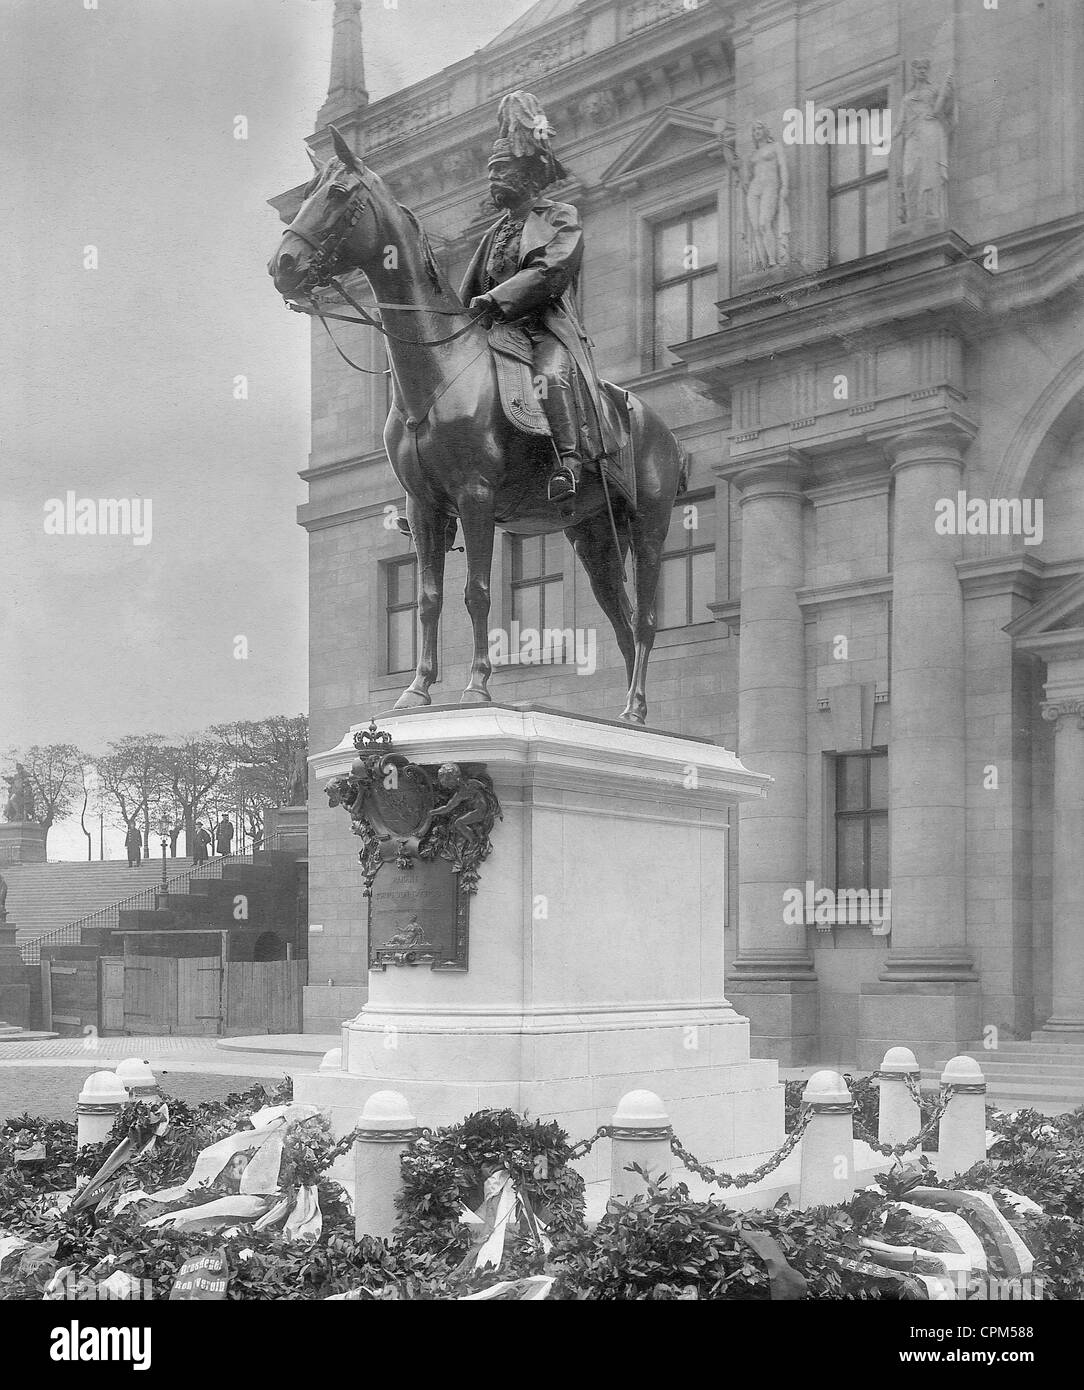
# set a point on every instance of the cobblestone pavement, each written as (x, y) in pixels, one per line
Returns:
(51, 1091)
(178, 1054)
(44, 1076)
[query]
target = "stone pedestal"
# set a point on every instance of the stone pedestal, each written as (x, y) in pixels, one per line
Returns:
(286, 828)
(595, 940)
(21, 842)
(14, 991)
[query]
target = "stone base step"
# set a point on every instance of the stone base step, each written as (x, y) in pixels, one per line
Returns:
(1009, 1070)
(25, 1035)
(1021, 1093)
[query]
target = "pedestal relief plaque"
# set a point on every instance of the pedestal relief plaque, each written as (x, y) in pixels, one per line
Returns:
(418, 916)
(425, 831)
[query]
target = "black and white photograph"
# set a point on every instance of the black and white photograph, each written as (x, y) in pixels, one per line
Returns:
(542, 664)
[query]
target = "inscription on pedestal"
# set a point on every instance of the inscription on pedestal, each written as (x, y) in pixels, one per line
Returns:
(418, 916)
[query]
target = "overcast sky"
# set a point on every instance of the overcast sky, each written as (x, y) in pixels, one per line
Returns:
(119, 382)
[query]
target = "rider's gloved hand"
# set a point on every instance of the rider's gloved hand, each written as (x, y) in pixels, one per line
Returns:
(482, 307)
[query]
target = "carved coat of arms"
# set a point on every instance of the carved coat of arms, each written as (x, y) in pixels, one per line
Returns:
(407, 816)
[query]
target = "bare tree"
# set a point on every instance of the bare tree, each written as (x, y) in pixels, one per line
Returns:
(134, 773)
(264, 755)
(87, 767)
(193, 768)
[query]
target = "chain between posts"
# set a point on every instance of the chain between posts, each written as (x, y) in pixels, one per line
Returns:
(586, 1145)
(743, 1179)
(896, 1150)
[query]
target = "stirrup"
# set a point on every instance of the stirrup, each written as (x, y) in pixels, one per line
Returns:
(563, 484)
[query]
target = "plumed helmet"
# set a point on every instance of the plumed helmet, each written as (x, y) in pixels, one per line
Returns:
(525, 135)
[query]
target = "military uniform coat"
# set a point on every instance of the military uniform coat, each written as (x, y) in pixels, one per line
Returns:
(550, 255)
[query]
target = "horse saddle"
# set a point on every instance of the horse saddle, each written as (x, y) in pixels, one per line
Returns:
(513, 360)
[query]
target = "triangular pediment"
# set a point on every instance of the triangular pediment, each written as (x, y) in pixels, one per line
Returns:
(1054, 627)
(672, 138)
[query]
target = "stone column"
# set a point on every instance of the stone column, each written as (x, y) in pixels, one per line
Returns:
(928, 992)
(1067, 717)
(772, 977)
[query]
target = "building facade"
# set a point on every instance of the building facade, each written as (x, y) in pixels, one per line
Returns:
(839, 246)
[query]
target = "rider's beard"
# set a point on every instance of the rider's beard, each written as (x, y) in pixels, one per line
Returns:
(510, 192)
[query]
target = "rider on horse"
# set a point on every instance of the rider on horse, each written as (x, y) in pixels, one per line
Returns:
(525, 270)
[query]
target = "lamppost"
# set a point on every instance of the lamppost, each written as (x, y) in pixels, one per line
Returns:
(163, 836)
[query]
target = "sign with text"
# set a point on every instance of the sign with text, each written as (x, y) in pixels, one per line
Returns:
(204, 1277)
(418, 916)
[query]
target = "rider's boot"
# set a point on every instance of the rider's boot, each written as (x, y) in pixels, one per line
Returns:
(565, 479)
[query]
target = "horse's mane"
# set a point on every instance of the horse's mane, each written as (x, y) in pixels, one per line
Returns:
(432, 269)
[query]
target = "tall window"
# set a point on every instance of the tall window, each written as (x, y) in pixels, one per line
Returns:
(538, 585)
(684, 280)
(857, 194)
(402, 612)
(687, 575)
(862, 820)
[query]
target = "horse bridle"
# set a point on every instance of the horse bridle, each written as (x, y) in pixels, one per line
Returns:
(321, 274)
(327, 250)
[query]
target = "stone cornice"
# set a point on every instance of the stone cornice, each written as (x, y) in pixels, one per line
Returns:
(538, 746)
(847, 591)
(936, 436)
(1050, 614)
(1067, 644)
(774, 472)
(937, 281)
(343, 465)
(728, 613)
(990, 577)
(463, 97)
(871, 481)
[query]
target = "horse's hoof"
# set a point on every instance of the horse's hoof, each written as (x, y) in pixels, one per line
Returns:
(628, 716)
(475, 697)
(412, 699)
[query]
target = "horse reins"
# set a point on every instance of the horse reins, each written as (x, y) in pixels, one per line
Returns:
(319, 274)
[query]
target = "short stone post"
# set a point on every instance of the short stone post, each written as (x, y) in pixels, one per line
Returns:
(828, 1142)
(332, 1060)
(99, 1104)
(961, 1140)
(386, 1128)
(899, 1115)
(138, 1079)
(641, 1134)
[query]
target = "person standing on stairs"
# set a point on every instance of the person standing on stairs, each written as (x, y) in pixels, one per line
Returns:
(200, 840)
(133, 843)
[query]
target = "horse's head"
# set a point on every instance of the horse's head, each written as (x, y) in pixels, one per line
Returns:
(314, 244)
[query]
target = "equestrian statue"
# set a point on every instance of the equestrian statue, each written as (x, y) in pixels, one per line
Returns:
(498, 417)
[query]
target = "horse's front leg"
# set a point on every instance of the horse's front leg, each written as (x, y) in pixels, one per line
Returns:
(427, 526)
(476, 515)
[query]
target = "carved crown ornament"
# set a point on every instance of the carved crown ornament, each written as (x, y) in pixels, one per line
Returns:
(403, 811)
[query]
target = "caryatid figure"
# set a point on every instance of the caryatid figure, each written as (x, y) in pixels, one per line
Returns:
(926, 120)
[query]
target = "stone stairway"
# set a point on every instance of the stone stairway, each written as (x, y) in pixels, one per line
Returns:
(1019, 1073)
(44, 897)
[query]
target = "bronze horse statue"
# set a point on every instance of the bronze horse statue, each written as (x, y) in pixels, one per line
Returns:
(447, 437)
